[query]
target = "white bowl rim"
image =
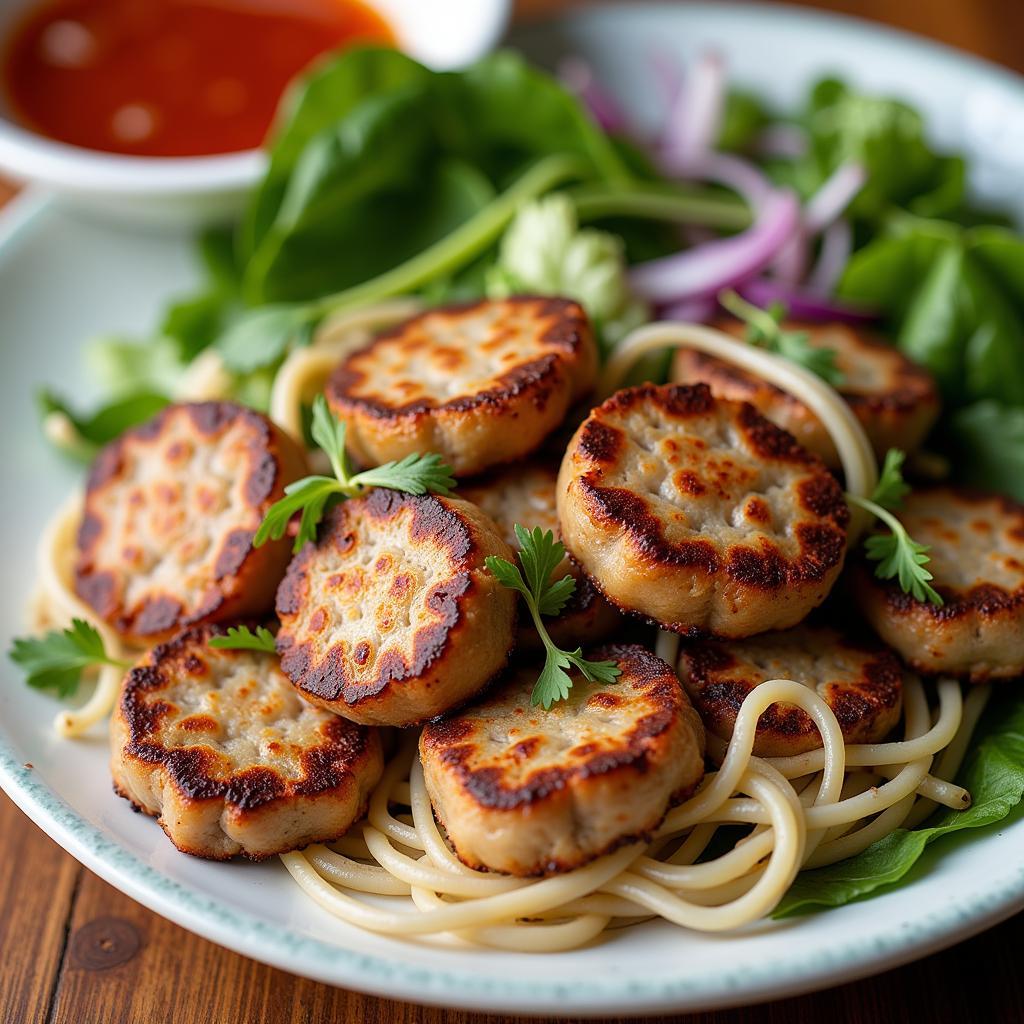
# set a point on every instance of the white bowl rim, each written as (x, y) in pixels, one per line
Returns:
(29, 156)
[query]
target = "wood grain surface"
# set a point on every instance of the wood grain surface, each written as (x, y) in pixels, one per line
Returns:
(76, 951)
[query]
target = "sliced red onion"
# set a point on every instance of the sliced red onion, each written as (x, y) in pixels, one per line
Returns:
(820, 211)
(829, 202)
(695, 118)
(723, 263)
(578, 77)
(802, 305)
(738, 174)
(790, 265)
(783, 141)
(836, 246)
(692, 311)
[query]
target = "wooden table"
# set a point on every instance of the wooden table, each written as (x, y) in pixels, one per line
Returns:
(77, 951)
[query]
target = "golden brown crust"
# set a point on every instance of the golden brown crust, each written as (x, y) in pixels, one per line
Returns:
(896, 401)
(532, 792)
(216, 744)
(525, 494)
(391, 617)
(480, 383)
(976, 550)
(698, 514)
(171, 508)
(862, 683)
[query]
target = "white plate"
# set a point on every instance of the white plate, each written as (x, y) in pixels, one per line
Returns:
(62, 279)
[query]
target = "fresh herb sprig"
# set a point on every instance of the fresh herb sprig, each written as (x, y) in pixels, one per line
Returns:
(313, 495)
(765, 330)
(241, 638)
(57, 659)
(539, 555)
(896, 553)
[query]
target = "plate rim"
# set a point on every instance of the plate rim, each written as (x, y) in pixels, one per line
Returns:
(306, 956)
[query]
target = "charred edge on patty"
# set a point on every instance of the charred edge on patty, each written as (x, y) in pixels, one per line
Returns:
(98, 588)
(431, 521)
(193, 769)
(535, 379)
(762, 566)
(648, 677)
(720, 699)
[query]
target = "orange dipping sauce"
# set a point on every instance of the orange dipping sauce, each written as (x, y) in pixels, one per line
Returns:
(170, 77)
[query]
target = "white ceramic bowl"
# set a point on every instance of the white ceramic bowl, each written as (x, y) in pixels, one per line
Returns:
(175, 190)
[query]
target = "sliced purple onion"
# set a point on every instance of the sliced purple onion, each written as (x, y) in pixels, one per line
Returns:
(790, 265)
(819, 213)
(836, 246)
(694, 120)
(723, 263)
(692, 311)
(578, 77)
(837, 192)
(802, 305)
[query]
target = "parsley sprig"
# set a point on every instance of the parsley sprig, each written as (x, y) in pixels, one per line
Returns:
(241, 638)
(765, 330)
(57, 659)
(897, 553)
(539, 555)
(313, 495)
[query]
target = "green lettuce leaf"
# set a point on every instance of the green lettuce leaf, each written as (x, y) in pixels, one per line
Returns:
(994, 775)
(954, 300)
(381, 158)
(986, 440)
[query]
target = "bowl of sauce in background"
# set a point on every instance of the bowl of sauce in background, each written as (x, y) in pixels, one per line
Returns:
(155, 110)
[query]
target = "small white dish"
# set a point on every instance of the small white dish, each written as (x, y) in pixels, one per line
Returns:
(193, 190)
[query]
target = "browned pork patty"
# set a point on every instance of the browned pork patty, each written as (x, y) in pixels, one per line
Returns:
(699, 514)
(976, 545)
(896, 401)
(391, 617)
(861, 682)
(217, 745)
(481, 384)
(525, 494)
(533, 792)
(171, 508)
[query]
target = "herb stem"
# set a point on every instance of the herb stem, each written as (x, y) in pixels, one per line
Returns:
(655, 202)
(739, 307)
(460, 246)
(878, 512)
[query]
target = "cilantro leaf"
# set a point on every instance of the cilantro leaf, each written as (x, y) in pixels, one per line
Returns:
(308, 496)
(56, 659)
(415, 474)
(797, 348)
(897, 554)
(241, 638)
(313, 495)
(891, 488)
(765, 330)
(540, 555)
(553, 683)
(328, 433)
